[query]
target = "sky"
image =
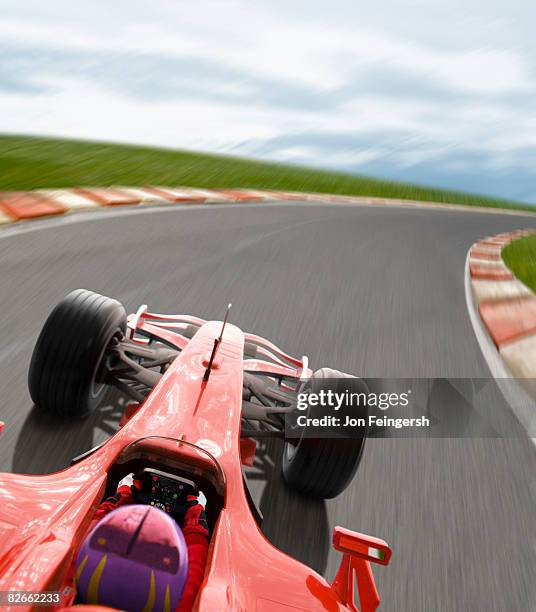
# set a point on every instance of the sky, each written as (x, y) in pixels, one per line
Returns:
(431, 91)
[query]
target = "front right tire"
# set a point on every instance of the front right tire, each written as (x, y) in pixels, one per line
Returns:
(323, 467)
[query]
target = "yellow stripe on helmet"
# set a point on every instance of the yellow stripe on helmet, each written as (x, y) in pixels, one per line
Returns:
(167, 600)
(80, 568)
(94, 581)
(148, 607)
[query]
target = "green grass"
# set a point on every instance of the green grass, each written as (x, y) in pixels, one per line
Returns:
(31, 163)
(520, 257)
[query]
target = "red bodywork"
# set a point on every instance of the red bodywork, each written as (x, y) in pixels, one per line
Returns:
(43, 519)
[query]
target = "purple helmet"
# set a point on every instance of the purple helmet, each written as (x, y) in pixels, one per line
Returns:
(135, 558)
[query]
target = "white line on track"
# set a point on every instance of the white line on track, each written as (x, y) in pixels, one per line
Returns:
(24, 227)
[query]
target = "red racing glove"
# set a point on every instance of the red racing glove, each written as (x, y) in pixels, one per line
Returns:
(124, 495)
(195, 520)
(195, 530)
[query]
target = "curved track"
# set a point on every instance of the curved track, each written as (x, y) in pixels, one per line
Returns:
(375, 291)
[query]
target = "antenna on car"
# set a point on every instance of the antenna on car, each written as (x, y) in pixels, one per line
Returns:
(217, 342)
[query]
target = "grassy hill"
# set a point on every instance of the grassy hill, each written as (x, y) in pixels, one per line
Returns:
(30, 163)
(520, 257)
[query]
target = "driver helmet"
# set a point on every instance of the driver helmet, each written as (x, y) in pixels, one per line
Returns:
(135, 558)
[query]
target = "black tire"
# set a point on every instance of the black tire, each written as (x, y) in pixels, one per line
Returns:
(323, 467)
(64, 370)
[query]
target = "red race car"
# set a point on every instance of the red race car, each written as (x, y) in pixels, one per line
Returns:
(201, 394)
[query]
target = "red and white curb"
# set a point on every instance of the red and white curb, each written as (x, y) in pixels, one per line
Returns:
(506, 313)
(19, 206)
(27, 205)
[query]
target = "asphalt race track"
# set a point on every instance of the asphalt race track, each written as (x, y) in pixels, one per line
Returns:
(372, 291)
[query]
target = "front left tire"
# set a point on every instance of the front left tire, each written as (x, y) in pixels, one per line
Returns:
(64, 375)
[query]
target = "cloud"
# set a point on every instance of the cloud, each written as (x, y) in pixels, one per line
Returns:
(419, 89)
